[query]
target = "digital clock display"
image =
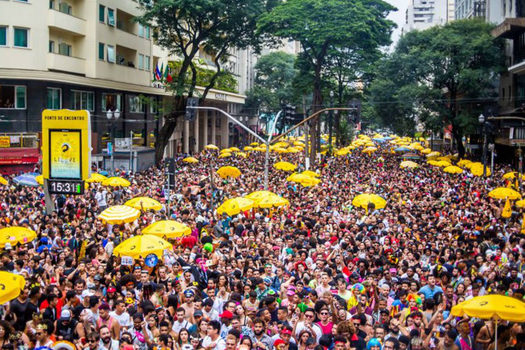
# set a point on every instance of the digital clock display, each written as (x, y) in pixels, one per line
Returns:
(66, 186)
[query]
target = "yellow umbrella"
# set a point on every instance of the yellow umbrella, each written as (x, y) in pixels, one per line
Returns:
(452, 169)
(493, 306)
(260, 194)
(119, 214)
(285, 166)
(11, 286)
(191, 160)
(144, 203)
(213, 147)
(369, 150)
(443, 163)
(248, 148)
(426, 151)
(520, 204)
(433, 154)
(234, 149)
(168, 229)
(310, 173)
(303, 179)
(254, 144)
(15, 235)
(141, 246)
(234, 206)
(408, 164)
(225, 155)
(342, 152)
(364, 199)
(241, 154)
(463, 162)
(504, 193)
(225, 150)
(40, 179)
(477, 170)
(266, 199)
(95, 177)
(116, 181)
(3, 181)
(510, 175)
(228, 171)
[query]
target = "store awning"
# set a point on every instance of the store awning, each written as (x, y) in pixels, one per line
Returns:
(509, 28)
(16, 156)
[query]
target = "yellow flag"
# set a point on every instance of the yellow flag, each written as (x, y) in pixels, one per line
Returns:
(523, 225)
(507, 210)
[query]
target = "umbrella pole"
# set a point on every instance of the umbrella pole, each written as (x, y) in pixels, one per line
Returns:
(496, 336)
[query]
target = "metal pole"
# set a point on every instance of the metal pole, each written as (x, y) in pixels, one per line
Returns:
(267, 156)
(131, 151)
(330, 123)
(50, 206)
(112, 146)
(169, 191)
(520, 166)
(485, 148)
(212, 206)
(492, 158)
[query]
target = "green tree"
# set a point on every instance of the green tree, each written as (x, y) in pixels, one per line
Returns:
(325, 25)
(183, 28)
(440, 76)
(274, 76)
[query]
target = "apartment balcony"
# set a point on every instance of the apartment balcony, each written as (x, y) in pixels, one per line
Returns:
(64, 63)
(123, 73)
(65, 22)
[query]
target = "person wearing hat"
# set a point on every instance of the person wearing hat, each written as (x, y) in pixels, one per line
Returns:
(189, 296)
(226, 318)
(65, 326)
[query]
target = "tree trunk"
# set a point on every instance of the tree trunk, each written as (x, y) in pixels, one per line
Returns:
(458, 138)
(317, 101)
(169, 126)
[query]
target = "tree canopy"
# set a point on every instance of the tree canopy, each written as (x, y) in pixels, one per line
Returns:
(324, 26)
(274, 75)
(440, 76)
(185, 27)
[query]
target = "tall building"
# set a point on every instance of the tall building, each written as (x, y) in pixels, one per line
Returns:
(471, 9)
(91, 54)
(423, 14)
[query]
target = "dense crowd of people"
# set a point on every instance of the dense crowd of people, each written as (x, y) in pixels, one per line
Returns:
(319, 274)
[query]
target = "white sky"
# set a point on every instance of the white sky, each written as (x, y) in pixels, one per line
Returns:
(398, 16)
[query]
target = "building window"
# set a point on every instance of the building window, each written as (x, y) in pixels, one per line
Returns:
(101, 13)
(54, 98)
(141, 30)
(51, 46)
(21, 37)
(64, 49)
(12, 97)
(111, 17)
(64, 7)
(155, 104)
(83, 100)
(111, 54)
(52, 4)
(136, 105)
(141, 61)
(3, 36)
(147, 63)
(101, 51)
(110, 102)
(146, 32)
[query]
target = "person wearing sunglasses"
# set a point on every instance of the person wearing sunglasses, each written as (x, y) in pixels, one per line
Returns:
(43, 333)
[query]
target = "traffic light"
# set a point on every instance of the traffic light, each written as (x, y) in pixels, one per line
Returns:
(355, 113)
(288, 114)
(190, 112)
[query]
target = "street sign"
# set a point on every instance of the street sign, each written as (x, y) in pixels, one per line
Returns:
(123, 144)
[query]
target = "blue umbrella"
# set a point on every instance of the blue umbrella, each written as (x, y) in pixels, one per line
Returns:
(26, 180)
(403, 149)
(103, 172)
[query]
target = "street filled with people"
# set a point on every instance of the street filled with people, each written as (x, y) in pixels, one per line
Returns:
(303, 266)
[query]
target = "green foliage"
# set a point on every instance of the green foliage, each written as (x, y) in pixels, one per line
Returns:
(439, 76)
(225, 80)
(275, 73)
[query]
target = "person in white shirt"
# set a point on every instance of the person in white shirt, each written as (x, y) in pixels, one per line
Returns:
(213, 341)
(121, 315)
(180, 323)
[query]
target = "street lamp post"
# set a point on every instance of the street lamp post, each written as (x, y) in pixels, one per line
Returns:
(112, 117)
(330, 123)
(483, 121)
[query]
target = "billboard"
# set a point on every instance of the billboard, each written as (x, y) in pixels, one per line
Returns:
(66, 144)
